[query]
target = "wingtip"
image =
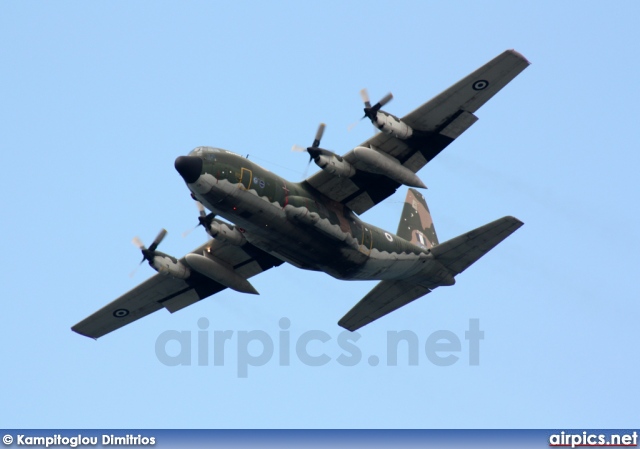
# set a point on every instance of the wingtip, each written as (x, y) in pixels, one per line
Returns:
(516, 220)
(519, 55)
(74, 329)
(348, 323)
(343, 325)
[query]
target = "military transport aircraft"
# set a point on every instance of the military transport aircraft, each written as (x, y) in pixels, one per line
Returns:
(314, 224)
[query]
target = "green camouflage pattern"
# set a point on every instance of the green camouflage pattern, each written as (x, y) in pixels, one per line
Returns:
(416, 224)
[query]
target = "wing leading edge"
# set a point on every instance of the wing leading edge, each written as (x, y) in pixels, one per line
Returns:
(437, 123)
(173, 294)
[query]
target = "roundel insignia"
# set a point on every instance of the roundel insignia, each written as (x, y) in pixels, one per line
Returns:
(121, 313)
(480, 84)
(388, 236)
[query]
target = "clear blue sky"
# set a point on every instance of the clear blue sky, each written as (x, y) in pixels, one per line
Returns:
(98, 99)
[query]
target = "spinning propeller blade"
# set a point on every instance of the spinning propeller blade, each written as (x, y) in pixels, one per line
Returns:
(147, 253)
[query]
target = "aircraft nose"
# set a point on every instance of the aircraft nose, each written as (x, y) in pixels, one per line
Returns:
(189, 167)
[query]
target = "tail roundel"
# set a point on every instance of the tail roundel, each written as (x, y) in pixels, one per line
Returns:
(416, 224)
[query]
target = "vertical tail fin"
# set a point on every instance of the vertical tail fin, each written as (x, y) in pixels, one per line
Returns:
(416, 224)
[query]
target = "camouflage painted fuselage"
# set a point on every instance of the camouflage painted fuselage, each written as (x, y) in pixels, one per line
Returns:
(297, 224)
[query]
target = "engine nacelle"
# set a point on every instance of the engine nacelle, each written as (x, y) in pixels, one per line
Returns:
(168, 266)
(390, 124)
(374, 161)
(222, 231)
(335, 165)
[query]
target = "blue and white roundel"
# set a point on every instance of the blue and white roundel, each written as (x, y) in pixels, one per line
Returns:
(480, 84)
(121, 313)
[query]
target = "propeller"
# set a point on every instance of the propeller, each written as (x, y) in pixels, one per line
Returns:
(371, 111)
(314, 150)
(204, 219)
(148, 253)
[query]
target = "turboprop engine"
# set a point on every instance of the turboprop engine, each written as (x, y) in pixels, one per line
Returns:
(367, 160)
(161, 262)
(325, 159)
(217, 229)
(385, 122)
(230, 234)
(334, 164)
(208, 265)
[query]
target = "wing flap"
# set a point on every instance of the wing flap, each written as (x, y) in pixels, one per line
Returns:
(205, 287)
(459, 125)
(385, 297)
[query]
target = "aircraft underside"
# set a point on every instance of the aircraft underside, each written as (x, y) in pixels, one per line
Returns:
(320, 246)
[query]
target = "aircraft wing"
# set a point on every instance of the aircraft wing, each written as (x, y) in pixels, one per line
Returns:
(385, 297)
(438, 123)
(173, 294)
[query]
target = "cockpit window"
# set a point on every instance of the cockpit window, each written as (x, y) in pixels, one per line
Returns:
(206, 153)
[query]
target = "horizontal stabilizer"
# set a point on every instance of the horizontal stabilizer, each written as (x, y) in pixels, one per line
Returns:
(460, 252)
(385, 297)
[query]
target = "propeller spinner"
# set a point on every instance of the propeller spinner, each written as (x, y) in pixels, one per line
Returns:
(148, 253)
(314, 150)
(162, 263)
(371, 111)
(380, 119)
(325, 159)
